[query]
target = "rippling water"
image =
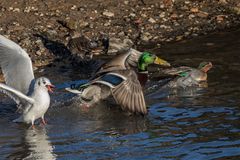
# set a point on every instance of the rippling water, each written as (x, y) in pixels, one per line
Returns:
(193, 124)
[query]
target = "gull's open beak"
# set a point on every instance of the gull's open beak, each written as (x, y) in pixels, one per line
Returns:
(162, 62)
(50, 87)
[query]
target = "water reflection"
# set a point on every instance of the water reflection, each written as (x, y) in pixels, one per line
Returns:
(39, 145)
(34, 145)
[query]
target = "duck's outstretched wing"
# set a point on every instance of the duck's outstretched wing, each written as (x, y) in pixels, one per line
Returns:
(126, 90)
(129, 93)
(16, 65)
(17, 96)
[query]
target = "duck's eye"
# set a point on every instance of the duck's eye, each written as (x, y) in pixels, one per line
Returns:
(44, 82)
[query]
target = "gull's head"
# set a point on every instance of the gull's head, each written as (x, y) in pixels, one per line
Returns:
(44, 83)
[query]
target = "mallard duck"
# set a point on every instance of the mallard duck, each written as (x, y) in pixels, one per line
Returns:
(118, 78)
(187, 76)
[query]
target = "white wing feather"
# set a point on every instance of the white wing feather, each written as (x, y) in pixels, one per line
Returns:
(17, 96)
(16, 65)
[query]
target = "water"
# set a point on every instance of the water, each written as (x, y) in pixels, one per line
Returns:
(189, 125)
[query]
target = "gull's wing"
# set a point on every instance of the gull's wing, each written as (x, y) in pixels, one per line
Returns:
(16, 65)
(17, 96)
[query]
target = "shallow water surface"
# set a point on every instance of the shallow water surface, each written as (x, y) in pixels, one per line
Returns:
(193, 124)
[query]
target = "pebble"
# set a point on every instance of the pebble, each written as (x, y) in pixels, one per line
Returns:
(220, 18)
(191, 16)
(156, 26)
(121, 34)
(73, 7)
(16, 10)
(174, 16)
(107, 24)
(163, 26)
(132, 15)
(145, 37)
(162, 15)
(38, 53)
(194, 10)
(126, 2)
(202, 14)
(223, 1)
(82, 24)
(52, 33)
(178, 38)
(151, 20)
(236, 10)
(108, 14)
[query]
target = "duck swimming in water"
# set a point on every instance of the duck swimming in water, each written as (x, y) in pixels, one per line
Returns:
(187, 76)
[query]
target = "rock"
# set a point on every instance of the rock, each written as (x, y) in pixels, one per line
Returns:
(72, 24)
(151, 20)
(10, 8)
(91, 25)
(163, 26)
(121, 33)
(126, 2)
(73, 7)
(107, 24)
(132, 15)
(162, 15)
(145, 37)
(178, 38)
(108, 14)
(168, 2)
(194, 10)
(162, 6)
(202, 14)
(38, 53)
(223, 1)
(174, 16)
(16, 10)
(52, 33)
(236, 10)
(220, 18)
(156, 26)
(83, 24)
(191, 16)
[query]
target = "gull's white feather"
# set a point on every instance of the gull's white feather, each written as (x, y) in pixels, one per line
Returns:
(17, 96)
(16, 65)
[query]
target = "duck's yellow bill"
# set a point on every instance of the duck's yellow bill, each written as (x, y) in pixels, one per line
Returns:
(162, 62)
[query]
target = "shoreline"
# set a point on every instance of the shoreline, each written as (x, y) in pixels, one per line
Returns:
(143, 22)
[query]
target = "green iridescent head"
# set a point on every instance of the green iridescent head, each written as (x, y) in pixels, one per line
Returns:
(147, 58)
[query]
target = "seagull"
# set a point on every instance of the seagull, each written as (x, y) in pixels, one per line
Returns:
(30, 94)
